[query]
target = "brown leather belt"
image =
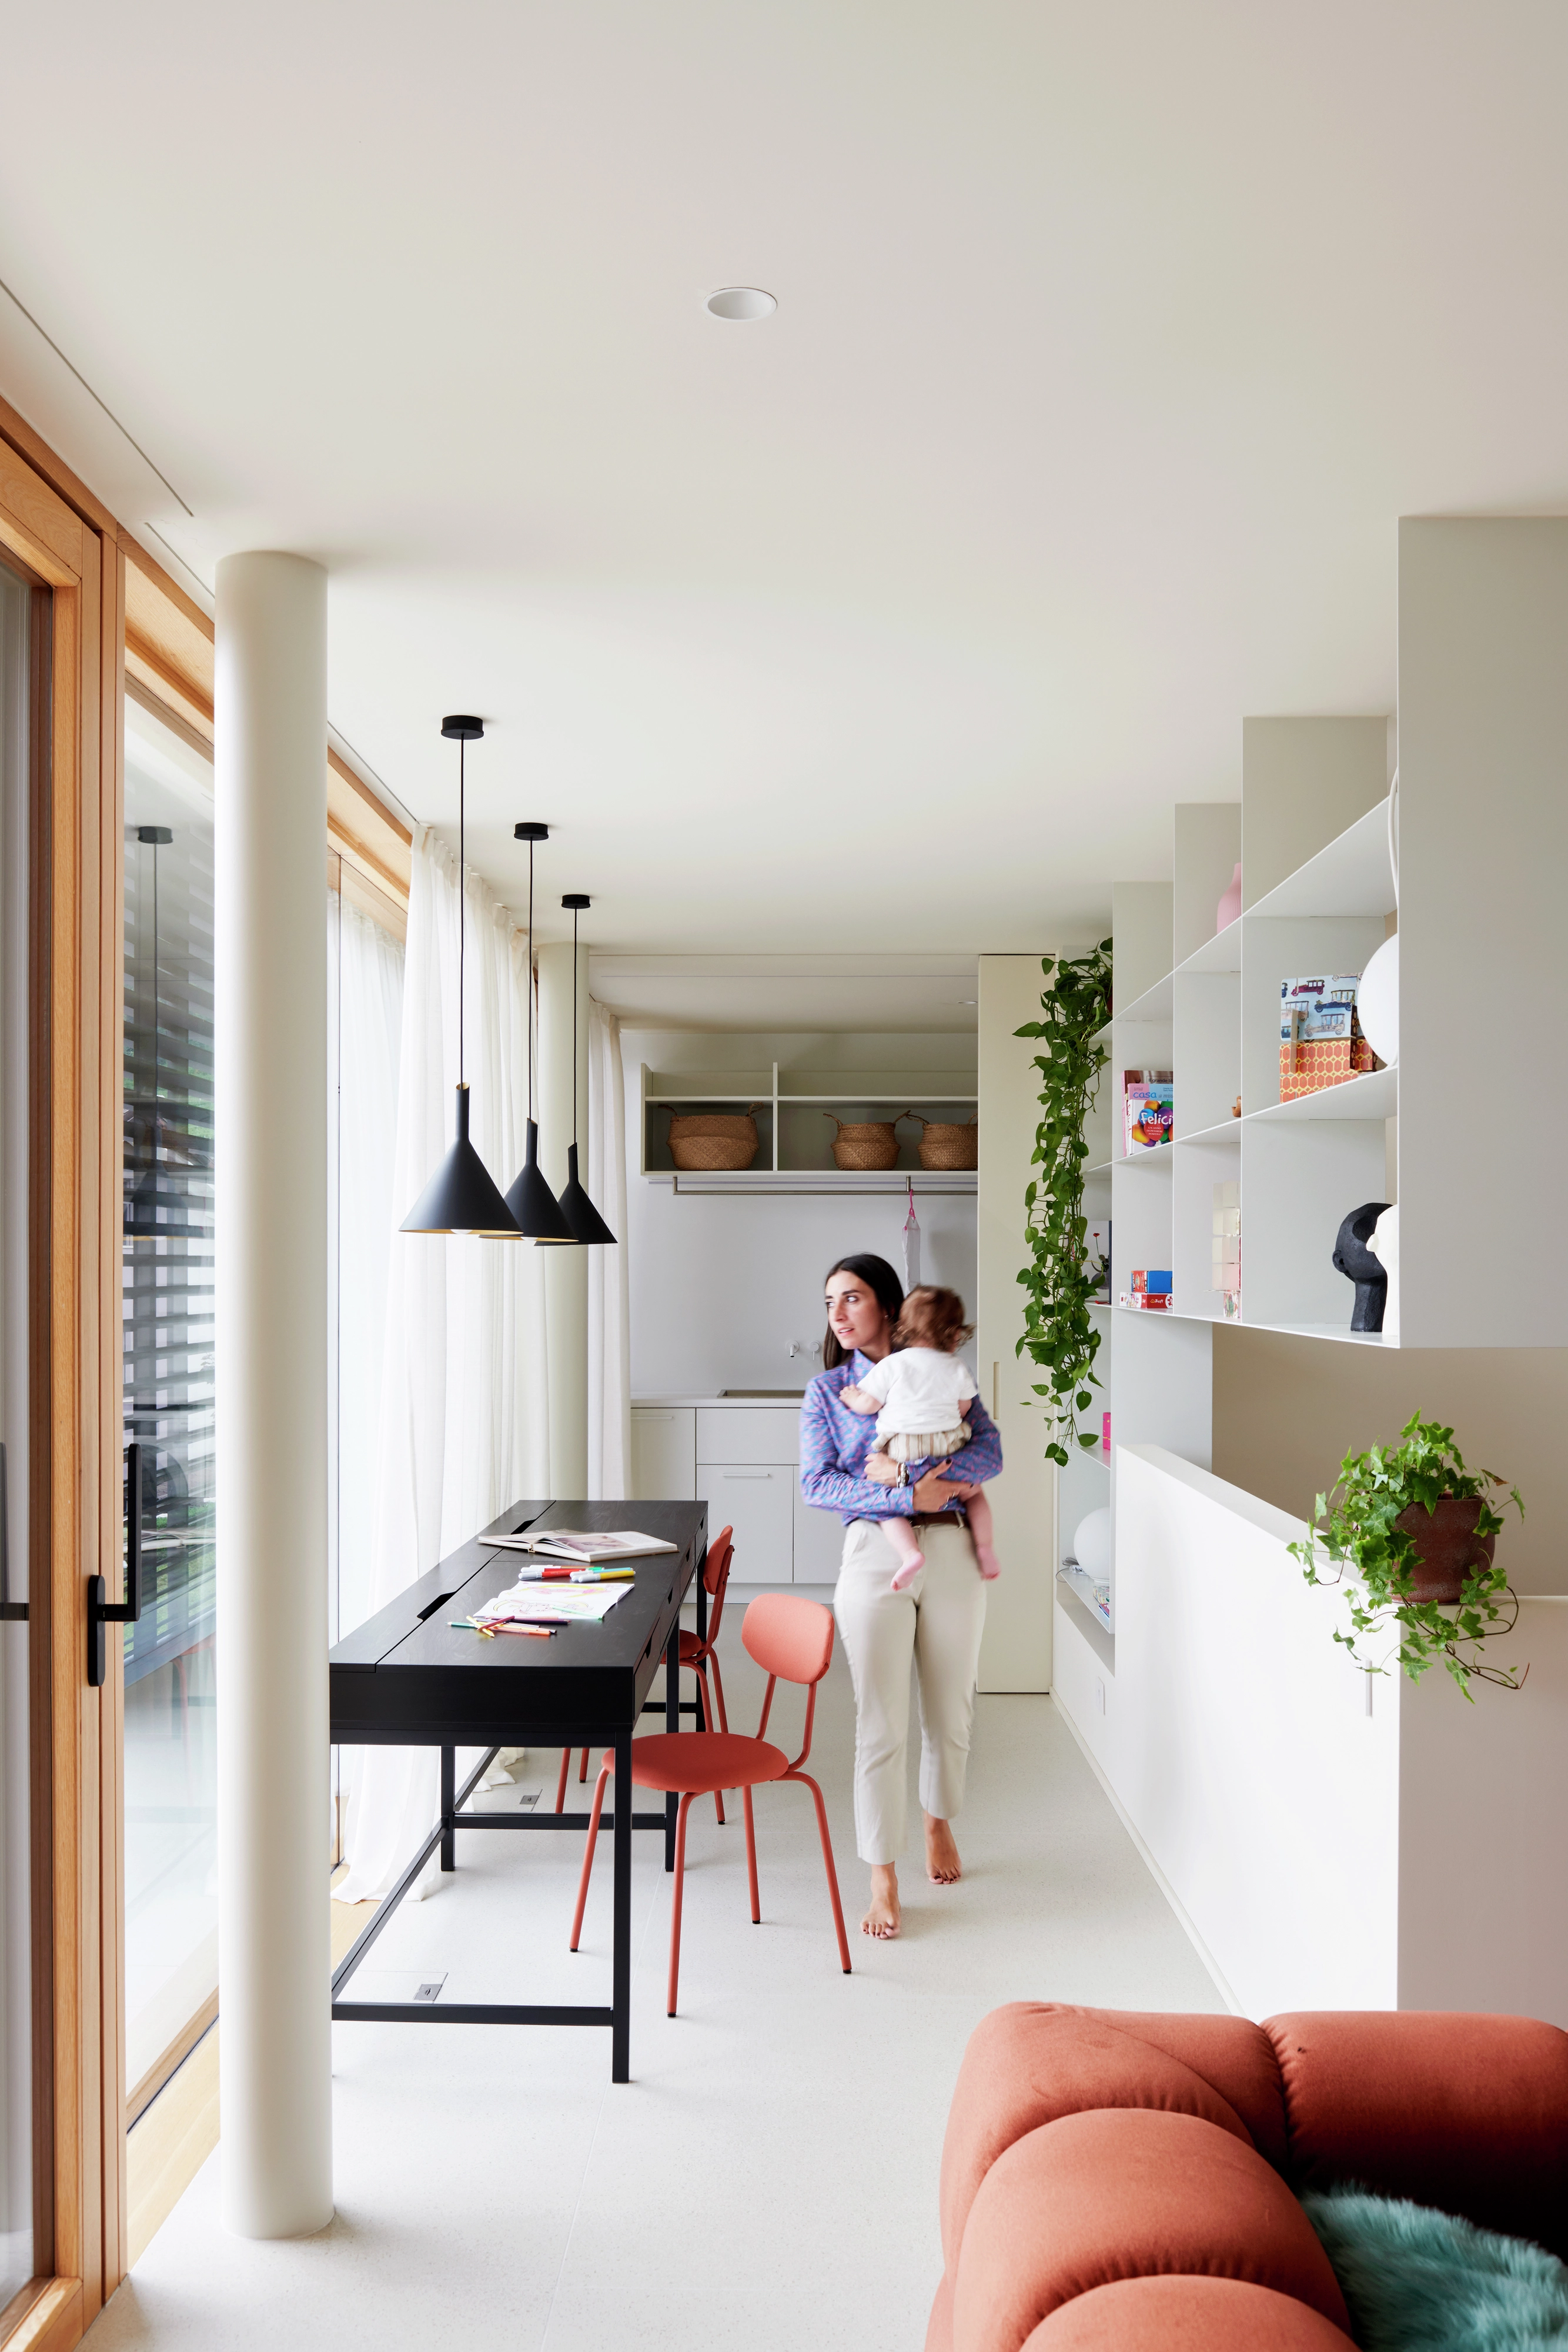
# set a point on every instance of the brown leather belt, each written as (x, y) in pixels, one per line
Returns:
(949, 1519)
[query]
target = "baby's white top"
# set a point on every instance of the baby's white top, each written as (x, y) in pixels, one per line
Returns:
(919, 1389)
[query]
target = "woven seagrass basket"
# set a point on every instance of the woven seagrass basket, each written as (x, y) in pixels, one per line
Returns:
(709, 1142)
(944, 1145)
(865, 1143)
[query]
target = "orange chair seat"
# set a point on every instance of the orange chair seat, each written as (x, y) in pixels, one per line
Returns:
(697, 1762)
(690, 1646)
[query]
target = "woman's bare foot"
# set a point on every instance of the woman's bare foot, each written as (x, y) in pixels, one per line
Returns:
(882, 1916)
(943, 1867)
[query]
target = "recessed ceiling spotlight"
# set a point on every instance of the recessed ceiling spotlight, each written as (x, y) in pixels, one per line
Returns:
(741, 303)
(968, 1000)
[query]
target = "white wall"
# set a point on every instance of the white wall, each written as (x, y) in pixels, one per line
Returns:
(722, 1283)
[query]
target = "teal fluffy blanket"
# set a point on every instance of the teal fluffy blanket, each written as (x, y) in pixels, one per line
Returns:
(1416, 2280)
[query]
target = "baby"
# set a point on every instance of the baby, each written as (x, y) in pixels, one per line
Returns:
(920, 1396)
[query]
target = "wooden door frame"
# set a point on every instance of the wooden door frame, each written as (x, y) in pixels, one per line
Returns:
(75, 1505)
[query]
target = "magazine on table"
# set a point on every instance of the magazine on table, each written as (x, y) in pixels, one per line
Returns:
(580, 1547)
(551, 1605)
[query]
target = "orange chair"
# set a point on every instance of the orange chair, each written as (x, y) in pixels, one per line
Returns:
(788, 1636)
(696, 1654)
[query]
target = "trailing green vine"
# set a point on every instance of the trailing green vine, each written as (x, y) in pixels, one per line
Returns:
(1058, 1330)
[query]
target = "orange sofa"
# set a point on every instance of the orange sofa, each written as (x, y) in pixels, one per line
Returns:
(1112, 2179)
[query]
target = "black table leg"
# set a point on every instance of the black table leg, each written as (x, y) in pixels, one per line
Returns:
(621, 1965)
(672, 1723)
(448, 1807)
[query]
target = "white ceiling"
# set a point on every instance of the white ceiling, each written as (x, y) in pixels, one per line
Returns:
(1111, 343)
(928, 994)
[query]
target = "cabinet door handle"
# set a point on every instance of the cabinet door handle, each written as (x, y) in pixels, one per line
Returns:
(746, 1474)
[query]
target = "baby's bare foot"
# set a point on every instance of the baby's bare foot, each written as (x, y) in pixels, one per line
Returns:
(942, 1867)
(991, 1567)
(906, 1573)
(883, 1918)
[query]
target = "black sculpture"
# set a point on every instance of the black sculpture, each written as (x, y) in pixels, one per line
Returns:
(1354, 1260)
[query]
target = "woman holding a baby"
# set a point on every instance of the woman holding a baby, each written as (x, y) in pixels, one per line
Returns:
(895, 1439)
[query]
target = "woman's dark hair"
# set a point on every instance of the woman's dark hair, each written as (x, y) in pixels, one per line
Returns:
(878, 1277)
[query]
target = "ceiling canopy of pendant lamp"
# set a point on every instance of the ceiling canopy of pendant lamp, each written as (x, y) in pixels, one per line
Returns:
(530, 1200)
(587, 1224)
(462, 1197)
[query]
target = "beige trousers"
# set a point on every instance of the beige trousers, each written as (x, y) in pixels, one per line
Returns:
(937, 1622)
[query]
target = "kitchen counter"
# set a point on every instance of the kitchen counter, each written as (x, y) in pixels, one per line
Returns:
(782, 1400)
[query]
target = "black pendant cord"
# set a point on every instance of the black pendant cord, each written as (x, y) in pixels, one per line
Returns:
(574, 1024)
(462, 892)
(530, 995)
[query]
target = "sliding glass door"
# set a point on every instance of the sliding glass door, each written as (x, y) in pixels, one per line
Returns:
(171, 1798)
(17, 615)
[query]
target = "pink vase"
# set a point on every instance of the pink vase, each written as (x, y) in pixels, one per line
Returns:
(1229, 906)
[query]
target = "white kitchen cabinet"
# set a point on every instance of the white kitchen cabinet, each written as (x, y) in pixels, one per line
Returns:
(663, 1452)
(748, 1434)
(819, 1542)
(757, 1499)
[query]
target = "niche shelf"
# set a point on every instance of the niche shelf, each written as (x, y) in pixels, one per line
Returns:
(795, 1139)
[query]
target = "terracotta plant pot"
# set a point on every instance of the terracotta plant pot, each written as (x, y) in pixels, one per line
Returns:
(1448, 1547)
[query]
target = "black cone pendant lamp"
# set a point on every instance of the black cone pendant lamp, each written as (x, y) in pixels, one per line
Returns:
(587, 1224)
(461, 1197)
(530, 1202)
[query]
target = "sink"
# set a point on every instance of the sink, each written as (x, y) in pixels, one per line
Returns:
(795, 1393)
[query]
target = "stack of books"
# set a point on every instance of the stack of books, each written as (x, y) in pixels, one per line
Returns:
(1320, 1044)
(1147, 1109)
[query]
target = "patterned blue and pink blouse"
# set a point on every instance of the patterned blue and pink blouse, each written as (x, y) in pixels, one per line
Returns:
(835, 1442)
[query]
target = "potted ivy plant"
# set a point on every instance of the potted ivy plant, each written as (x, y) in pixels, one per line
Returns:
(1411, 1533)
(1058, 1331)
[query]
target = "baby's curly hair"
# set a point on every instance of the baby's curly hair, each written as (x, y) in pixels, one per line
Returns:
(933, 1319)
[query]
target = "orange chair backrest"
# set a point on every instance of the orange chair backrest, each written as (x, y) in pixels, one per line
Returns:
(716, 1567)
(789, 1636)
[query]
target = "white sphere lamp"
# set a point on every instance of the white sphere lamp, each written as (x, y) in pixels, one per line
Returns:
(1378, 1002)
(1091, 1544)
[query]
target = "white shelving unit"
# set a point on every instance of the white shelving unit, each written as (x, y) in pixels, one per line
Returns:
(1212, 1020)
(795, 1139)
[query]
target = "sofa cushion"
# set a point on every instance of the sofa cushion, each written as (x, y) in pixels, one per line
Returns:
(1033, 2061)
(1123, 2193)
(1468, 2114)
(1185, 2315)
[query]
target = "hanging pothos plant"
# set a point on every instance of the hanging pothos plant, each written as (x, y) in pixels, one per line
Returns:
(1058, 1330)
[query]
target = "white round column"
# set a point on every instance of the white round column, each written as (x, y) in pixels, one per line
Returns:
(270, 1084)
(565, 1270)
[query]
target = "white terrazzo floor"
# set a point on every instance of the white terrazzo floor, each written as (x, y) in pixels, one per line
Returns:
(769, 2178)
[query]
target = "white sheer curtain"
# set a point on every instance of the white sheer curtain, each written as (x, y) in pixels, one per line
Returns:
(464, 1417)
(609, 1311)
(369, 969)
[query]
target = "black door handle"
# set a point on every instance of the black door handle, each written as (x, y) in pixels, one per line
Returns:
(101, 1612)
(13, 1612)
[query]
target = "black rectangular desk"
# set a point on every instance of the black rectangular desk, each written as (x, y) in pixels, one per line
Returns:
(408, 1678)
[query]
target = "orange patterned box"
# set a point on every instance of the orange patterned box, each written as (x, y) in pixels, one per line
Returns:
(1324, 1062)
